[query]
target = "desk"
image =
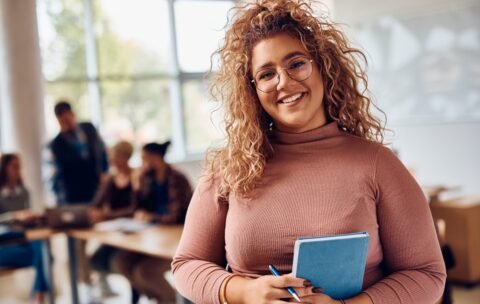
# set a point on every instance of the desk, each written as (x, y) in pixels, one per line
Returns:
(39, 234)
(158, 240)
(461, 217)
(433, 192)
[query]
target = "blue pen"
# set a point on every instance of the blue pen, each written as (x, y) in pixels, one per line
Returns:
(291, 291)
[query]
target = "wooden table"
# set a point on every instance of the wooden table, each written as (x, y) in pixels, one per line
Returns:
(461, 221)
(157, 240)
(40, 234)
(433, 192)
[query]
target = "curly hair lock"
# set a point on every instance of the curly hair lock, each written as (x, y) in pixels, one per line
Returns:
(239, 165)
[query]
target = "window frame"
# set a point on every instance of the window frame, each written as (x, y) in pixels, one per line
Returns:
(177, 78)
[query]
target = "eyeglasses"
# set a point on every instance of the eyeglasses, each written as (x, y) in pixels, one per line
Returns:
(298, 69)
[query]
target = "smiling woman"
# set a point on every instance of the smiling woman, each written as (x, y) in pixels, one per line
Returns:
(293, 99)
(304, 157)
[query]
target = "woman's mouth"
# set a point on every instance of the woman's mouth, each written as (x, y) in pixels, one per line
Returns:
(292, 99)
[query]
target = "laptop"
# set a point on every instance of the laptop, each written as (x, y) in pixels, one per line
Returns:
(75, 216)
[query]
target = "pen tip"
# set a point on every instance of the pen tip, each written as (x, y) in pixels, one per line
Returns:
(296, 298)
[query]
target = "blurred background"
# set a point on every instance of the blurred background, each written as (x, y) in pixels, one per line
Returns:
(136, 69)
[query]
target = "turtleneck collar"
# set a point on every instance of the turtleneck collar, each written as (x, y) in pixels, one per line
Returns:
(326, 131)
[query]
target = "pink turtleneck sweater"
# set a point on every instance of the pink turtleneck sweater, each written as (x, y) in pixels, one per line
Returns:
(320, 182)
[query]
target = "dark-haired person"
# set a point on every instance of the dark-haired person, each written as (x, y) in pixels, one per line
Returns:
(79, 158)
(14, 198)
(163, 197)
(304, 156)
(80, 163)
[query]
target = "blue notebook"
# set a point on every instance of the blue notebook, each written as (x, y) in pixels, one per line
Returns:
(335, 263)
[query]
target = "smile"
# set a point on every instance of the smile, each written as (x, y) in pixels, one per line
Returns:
(292, 98)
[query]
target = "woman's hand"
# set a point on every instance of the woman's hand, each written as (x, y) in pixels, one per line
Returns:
(143, 215)
(96, 215)
(317, 298)
(25, 216)
(273, 290)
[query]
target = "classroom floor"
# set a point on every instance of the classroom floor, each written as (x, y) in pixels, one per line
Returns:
(15, 288)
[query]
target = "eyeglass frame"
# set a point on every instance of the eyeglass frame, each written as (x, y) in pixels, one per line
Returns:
(288, 74)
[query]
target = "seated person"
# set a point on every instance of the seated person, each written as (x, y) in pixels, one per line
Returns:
(115, 198)
(163, 197)
(14, 197)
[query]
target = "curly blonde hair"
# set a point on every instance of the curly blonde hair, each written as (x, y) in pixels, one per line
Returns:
(240, 164)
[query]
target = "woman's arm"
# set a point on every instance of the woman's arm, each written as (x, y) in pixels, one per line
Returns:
(102, 196)
(199, 263)
(121, 212)
(411, 252)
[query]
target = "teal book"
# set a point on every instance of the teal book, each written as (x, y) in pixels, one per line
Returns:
(335, 263)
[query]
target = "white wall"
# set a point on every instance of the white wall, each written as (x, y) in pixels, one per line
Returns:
(446, 154)
(435, 111)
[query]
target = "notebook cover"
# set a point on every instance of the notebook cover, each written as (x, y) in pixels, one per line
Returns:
(334, 263)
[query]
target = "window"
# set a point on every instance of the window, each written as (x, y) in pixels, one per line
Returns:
(132, 36)
(137, 111)
(134, 68)
(198, 37)
(202, 117)
(62, 31)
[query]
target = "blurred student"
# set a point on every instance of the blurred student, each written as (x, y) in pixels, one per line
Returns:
(116, 198)
(79, 158)
(14, 197)
(80, 163)
(163, 198)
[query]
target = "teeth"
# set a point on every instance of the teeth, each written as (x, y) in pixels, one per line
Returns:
(292, 98)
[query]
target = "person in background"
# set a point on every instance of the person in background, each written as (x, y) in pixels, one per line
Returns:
(79, 158)
(80, 163)
(116, 198)
(304, 156)
(163, 197)
(14, 198)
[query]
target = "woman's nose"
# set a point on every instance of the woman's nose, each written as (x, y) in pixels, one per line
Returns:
(283, 79)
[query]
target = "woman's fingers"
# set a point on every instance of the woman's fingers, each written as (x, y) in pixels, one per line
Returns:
(317, 298)
(308, 291)
(276, 293)
(287, 281)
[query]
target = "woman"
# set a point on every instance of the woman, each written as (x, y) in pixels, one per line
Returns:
(163, 197)
(116, 198)
(304, 157)
(14, 198)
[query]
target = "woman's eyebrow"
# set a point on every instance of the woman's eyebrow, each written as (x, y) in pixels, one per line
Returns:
(286, 57)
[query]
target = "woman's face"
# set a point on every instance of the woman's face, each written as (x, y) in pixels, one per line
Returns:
(13, 170)
(147, 160)
(118, 159)
(295, 106)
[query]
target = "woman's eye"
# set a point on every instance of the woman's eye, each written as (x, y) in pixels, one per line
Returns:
(297, 64)
(266, 75)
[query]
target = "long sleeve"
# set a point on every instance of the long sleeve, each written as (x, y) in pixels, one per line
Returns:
(54, 176)
(179, 196)
(412, 260)
(102, 196)
(199, 263)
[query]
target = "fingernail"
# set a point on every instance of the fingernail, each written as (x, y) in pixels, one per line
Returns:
(317, 289)
(307, 283)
